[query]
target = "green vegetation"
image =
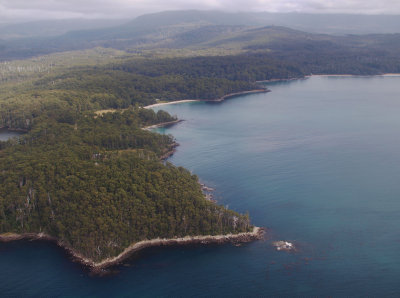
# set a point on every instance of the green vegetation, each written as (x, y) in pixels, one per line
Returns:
(123, 81)
(132, 81)
(34, 68)
(98, 185)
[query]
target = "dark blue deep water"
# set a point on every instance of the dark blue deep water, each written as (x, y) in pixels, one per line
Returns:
(317, 161)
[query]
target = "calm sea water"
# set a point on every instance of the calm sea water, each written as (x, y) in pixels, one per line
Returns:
(317, 161)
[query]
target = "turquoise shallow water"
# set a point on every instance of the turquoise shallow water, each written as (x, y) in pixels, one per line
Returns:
(316, 161)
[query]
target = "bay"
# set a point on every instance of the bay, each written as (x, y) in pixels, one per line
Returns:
(316, 161)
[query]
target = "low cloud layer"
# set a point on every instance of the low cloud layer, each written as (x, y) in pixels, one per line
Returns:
(27, 10)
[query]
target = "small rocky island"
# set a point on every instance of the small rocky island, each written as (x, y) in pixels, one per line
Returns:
(284, 246)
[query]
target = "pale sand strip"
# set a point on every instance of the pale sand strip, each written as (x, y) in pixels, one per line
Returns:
(171, 103)
(208, 100)
(163, 124)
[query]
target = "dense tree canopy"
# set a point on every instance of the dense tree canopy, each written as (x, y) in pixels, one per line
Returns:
(98, 185)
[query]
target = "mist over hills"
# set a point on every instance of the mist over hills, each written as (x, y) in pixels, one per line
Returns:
(208, 31)
(47, 28)
(336, 24)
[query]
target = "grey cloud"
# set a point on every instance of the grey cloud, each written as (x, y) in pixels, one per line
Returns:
(56, 9)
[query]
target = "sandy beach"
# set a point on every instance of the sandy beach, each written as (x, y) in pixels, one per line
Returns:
(222, 98)
(171, 103)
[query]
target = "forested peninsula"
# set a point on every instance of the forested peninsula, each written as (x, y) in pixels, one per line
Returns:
(98, 186)
(95, 182)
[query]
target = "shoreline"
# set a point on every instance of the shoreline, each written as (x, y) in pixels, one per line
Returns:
(99, 267)
(281, 80)
(329, 75)
(222, 98)
(235, 94)
(163, 124)
(171, 103)
(170, 152)
(172, 149)
(354, 75)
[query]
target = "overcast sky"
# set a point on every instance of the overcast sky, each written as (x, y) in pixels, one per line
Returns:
(27, 10)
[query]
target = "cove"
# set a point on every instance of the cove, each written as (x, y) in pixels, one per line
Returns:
(315, 160)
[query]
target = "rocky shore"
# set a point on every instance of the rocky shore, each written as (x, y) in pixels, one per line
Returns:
(99, 267)
(8, 237)
(207, 192)
(256, 234)
(171, 150)
(230, 95)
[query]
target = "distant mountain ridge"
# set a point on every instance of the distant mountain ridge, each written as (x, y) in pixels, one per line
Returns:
(337, 24)
(196, 30)
(53, 27)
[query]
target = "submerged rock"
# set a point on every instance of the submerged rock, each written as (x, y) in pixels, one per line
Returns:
(284, 245)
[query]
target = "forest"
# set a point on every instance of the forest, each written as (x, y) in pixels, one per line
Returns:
(130, 81)
(97, 185)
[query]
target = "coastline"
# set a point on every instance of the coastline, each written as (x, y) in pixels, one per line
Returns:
(163, 124)
(329, 75)
(354, 75)
(172, 148)
(282, 80)
(230, 95)
(99, 267)
(256, 234)
(170, 152)
(170, 103)
(222, 98)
